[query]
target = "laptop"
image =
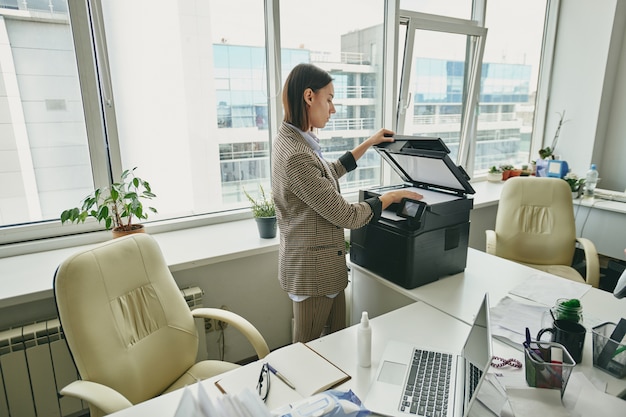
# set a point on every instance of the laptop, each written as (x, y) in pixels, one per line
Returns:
(400, 387)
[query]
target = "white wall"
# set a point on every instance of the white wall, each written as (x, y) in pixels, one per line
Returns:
(614, 157)
(481, 219)
(249, 287)
(587, 76)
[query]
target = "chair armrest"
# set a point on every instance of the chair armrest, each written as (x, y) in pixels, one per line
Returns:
(490, 246)
(100, 396)
(592, 273)
(244, 326)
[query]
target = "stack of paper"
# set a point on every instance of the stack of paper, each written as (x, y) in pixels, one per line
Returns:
(510, 317)
(547, 289)
(244, 404)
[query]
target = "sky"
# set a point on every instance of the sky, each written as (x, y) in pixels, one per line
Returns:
(318, 25)
(314, 25)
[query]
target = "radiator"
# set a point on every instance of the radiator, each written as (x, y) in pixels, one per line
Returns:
(35, 363)
(193, 296)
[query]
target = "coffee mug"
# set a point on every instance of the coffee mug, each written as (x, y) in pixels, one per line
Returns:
(569, 334)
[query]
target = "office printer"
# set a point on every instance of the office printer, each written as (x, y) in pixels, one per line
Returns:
(417, 242)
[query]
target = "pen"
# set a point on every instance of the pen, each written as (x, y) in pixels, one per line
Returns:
(619, 350)
(534, 353)
(281, 376)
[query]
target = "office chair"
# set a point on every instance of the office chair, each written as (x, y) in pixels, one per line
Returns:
(535, 226)
(128, 327)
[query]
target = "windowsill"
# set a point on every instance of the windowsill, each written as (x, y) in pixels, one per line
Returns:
(487, 193)
(616, 206)
(27, 278)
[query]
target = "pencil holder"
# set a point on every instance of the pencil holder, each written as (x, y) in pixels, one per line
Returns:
(608, 354)
(541, 372)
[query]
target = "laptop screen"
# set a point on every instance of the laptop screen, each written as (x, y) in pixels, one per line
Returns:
(477, 347)
(477, 353)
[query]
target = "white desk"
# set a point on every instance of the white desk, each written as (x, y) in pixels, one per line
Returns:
(459, 294)
(444, 332)
(430, 322)
(340, 348)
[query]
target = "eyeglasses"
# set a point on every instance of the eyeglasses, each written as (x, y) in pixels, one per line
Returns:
(263, 386)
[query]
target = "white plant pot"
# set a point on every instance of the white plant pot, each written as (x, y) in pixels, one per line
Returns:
(494, 177)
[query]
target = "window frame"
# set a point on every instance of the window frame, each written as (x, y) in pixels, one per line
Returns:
(475, 46)
(546, 63)
(90, 48)
(87, 27)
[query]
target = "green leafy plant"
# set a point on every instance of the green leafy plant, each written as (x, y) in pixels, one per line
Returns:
(548, 151)
(574, 182)
(264, 206)
(545, 153)
(494, 170)
(115, 205)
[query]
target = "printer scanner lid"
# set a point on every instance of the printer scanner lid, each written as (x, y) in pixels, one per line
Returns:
(424, 162)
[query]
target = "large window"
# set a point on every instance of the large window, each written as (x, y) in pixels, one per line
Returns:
(190, 94)
(189, 83)
(439, 79)
(484, 121)
(44, 158)
(346, 39)
(509, 83)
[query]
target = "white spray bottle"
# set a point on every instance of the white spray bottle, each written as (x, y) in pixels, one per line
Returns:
(364, 341)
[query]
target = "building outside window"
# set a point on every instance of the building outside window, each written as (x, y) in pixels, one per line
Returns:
(186, 100)
(437, 84)
(438, 102)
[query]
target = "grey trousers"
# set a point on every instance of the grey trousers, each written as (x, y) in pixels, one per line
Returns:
(317, 316)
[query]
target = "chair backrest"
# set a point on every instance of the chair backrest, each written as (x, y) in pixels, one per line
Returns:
(126, 323)
(535, 221)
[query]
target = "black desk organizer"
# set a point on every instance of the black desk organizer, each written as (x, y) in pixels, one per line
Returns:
(609, 349)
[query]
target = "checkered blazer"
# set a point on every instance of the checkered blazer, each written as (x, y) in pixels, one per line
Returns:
(312, 216)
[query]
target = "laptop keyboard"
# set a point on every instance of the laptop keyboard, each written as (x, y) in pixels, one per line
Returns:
(428, 386)
(474, 377)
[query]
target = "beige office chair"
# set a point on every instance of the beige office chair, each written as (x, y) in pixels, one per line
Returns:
(129, 329)
(535, 226)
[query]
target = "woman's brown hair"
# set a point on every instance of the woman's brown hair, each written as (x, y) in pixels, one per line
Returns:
(301, 77)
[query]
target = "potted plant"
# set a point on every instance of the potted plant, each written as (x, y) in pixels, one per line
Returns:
(264, 212)
(494, 174)
(575, 184)
(547, 153)
(506, 171)
(116, 205)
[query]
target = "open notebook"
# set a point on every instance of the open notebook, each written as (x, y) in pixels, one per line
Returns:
(309, 372)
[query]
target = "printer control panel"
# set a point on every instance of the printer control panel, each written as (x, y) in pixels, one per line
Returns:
(411, 209)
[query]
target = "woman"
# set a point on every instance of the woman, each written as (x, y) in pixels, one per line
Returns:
(310, 210)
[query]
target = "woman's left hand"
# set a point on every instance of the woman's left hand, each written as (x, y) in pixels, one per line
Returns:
(383, 135)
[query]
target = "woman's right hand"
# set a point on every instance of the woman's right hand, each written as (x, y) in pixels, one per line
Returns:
(396, 196)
